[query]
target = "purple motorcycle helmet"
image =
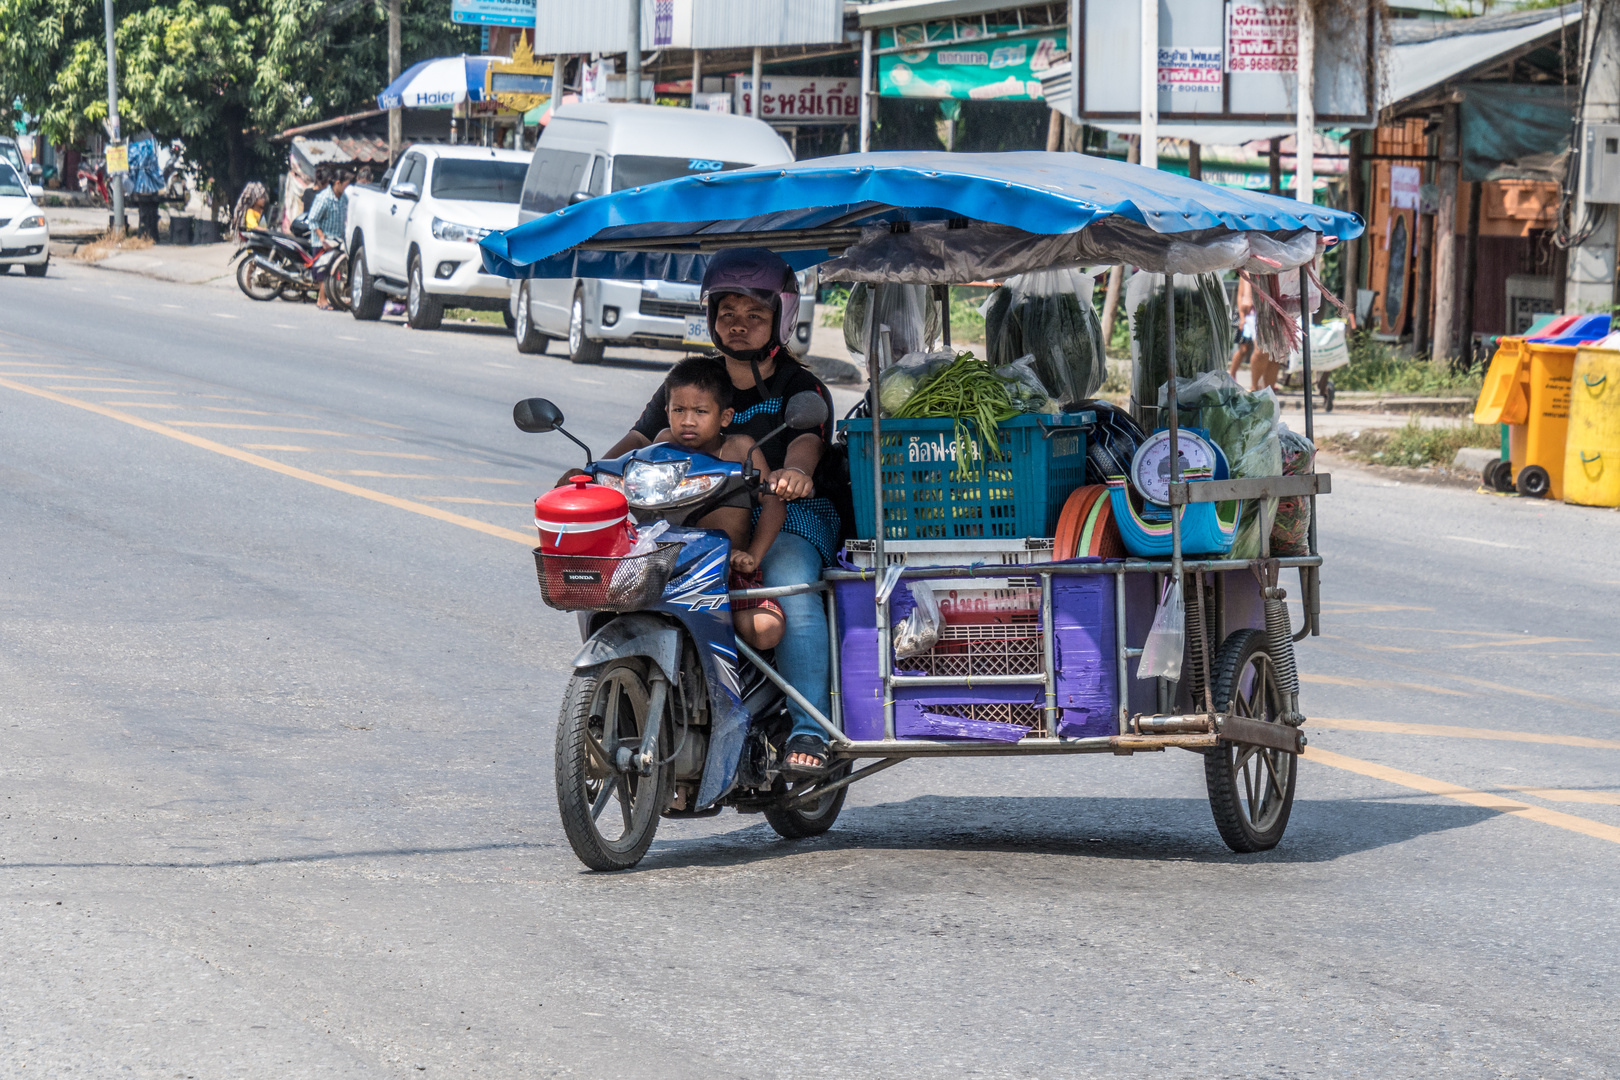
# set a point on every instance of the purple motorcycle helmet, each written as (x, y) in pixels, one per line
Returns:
(758, 273)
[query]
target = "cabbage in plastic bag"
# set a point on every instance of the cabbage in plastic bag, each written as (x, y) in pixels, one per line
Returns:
(1024, 387)
(901, 380)
(1048, 315)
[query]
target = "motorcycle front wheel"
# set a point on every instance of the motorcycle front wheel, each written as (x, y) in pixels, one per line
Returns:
(255, 283)
(609, 817)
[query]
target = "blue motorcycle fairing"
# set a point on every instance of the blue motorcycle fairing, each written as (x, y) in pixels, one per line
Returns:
(659, 453)
(698, 595)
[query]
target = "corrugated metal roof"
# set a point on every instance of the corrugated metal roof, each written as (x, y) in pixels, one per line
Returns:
(901, 12)
(1426, 54)
(344, 150)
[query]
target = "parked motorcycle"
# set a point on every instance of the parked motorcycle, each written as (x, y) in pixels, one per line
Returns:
(666, 713)
(271, 264)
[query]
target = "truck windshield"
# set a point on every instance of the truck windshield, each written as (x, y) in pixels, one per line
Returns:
(633, 170)
(478, 181)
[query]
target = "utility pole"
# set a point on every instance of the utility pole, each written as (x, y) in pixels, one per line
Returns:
(759, 76)
(632, 55)
(1150, 84)
(1305, 109)
(116, 183)
(1590, 281)
(396, 117)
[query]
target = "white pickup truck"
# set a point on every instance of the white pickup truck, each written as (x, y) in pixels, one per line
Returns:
(415, 236)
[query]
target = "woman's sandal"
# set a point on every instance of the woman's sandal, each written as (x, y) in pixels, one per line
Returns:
(814, 747)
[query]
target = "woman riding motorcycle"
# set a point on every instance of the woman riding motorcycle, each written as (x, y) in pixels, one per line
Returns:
(753, 302)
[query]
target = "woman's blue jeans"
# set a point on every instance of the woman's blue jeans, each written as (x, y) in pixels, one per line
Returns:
(802, 657)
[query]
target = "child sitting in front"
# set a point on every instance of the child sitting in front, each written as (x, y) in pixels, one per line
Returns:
(699, 395)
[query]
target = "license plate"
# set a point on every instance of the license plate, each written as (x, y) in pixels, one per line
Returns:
(697, 331)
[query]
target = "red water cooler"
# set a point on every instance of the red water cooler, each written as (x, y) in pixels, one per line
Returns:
(583, 518)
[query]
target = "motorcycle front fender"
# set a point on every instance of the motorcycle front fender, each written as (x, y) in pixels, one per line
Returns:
(635, 634)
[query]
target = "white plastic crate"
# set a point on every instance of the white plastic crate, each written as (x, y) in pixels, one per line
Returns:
(1016, 552)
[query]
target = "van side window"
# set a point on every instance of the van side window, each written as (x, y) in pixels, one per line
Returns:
(598, 176)
(553, 176)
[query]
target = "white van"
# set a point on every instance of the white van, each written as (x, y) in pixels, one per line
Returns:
(590, 150)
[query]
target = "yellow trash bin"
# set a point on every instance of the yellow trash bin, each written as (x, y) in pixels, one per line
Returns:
(1592, 448)
(1538, 469)
(1503, 398)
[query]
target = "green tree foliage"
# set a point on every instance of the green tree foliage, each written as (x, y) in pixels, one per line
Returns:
(224, 76)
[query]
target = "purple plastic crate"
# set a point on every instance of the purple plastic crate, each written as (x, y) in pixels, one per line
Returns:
(1083, 630)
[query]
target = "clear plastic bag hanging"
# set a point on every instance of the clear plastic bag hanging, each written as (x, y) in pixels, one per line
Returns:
(1203, 335)
(1048, 315)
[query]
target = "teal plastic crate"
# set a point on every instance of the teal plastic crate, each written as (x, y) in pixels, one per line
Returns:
(923, 499)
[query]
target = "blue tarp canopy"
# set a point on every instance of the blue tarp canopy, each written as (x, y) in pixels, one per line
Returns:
(922, 217)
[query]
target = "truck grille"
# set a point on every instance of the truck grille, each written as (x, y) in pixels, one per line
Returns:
(669, 309)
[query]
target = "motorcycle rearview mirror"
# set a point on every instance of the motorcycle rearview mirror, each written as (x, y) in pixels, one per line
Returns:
(804, 411)
(536, 415)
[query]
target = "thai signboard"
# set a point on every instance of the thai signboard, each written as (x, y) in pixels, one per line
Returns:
(801, 100)
(1190, 67)
(997, 68)
(1262, 37)
(493, 12)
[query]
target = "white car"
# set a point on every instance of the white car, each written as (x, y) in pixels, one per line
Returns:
(25, 239)
(415, 236)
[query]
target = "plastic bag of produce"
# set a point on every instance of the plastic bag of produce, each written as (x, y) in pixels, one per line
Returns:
(1290, 535)
(909, 311)
(1048, 315)
(919, 631)
(1024, 386)
(1203, 335)
(1244, 425)
(900, 381)
(1167, 639)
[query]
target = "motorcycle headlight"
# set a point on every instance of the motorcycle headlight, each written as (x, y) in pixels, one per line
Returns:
(35, 222)
(449, 230)
(648, 484)
(609, 480)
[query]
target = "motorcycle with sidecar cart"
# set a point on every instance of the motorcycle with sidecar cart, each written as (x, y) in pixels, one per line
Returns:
(669, 714)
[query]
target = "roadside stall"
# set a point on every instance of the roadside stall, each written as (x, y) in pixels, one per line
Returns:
(1032, 571)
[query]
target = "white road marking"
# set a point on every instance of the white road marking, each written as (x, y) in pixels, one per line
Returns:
(1487, 543)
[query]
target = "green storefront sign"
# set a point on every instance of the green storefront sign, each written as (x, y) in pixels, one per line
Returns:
(1000, 69)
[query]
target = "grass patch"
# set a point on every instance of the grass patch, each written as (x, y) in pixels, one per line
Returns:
(109, 243)
(1375, 366)
(1413, 446)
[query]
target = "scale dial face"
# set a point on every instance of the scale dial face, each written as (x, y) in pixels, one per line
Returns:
(1150, 468)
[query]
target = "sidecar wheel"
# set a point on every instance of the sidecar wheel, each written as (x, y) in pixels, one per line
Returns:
(603, 708)
(812, 819)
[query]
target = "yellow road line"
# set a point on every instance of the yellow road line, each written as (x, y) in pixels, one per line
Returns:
(1381, 684)
(1552, 794)
(420, 476)
(111, 389)
(1515, 642)
(1499, 803)
(468, 499)
(1449, 731)
(1471, 681)
(217, 424)
(275, 466)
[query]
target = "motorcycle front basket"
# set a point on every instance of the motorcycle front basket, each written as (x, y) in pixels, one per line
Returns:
(594, 583)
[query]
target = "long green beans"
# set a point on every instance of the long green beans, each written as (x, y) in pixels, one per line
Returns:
(968, 391)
